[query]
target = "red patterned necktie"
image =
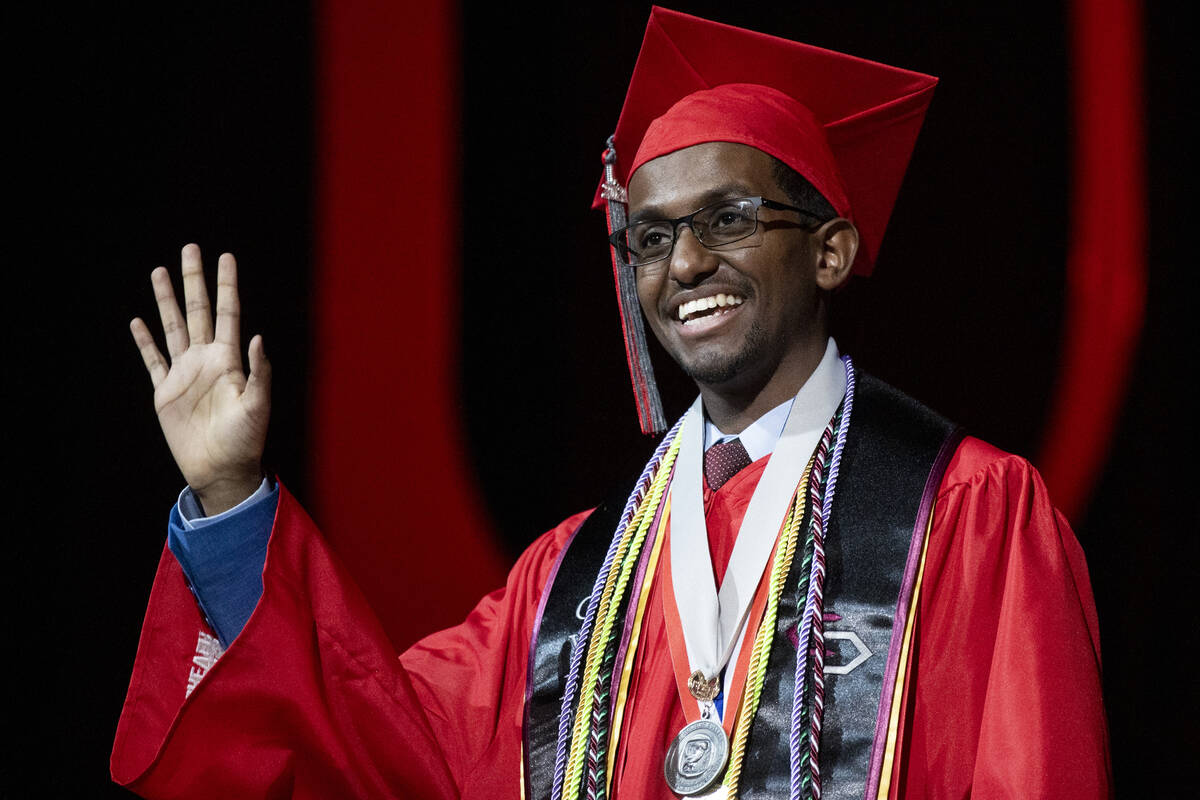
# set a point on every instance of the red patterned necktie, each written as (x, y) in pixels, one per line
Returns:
(724, 460)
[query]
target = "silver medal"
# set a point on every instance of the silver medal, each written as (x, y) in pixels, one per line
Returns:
(697, 758)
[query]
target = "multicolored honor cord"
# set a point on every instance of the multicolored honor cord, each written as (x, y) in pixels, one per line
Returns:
(575, 736)
(804, 741)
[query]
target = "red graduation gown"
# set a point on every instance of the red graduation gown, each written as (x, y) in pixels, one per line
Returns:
(310, 701)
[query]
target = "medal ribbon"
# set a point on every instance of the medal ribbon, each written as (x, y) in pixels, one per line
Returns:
(714, 623)
(679, 658)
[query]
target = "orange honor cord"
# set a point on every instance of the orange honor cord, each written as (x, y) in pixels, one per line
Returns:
(890, 762)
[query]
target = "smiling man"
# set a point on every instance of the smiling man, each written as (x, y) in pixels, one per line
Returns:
(816, 587)
(739, 297)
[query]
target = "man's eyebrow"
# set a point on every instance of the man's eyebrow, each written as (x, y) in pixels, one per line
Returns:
(722, 192)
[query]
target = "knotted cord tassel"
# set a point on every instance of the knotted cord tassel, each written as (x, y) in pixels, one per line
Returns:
(641, 371)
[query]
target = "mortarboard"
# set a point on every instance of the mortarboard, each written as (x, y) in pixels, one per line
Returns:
(846, 124)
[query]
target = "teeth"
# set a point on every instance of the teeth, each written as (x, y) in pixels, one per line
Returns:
(705, 303)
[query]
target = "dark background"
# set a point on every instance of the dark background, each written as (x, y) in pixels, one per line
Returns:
(139, 127)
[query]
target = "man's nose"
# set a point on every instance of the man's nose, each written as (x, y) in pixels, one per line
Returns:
(691, 261)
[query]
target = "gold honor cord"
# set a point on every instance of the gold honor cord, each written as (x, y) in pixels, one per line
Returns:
(631, 650)
(623, 565)
(893, 733)
(764, 637)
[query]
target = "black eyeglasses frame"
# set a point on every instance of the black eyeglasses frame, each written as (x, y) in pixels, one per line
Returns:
(618, 238)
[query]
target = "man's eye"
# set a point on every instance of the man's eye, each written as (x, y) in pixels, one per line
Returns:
(729, 223)
(651, 238)
(731, 217)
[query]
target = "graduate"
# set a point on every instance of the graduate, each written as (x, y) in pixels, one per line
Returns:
(817, 587)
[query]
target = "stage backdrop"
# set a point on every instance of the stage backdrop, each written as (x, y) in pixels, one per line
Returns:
(442, 397)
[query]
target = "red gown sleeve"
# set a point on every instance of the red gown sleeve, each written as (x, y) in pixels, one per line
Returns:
(1006, 698)
(311, 700)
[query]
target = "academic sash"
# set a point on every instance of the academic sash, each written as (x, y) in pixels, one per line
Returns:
(896, 453)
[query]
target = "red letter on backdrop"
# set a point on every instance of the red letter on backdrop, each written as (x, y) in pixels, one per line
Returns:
(392, 486)
(1106, 262)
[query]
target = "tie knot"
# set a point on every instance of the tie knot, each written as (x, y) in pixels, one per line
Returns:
(724, 460)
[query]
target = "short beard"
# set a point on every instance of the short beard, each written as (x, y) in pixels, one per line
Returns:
(715, 370)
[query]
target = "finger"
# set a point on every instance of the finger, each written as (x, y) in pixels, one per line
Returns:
(195, 296)
(229, 306)
(257, 395)
(168, 311)
(156, 365)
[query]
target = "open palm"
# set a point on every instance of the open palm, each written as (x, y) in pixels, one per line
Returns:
(214, 417)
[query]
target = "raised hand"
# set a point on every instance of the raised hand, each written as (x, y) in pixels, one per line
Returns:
(214, 417)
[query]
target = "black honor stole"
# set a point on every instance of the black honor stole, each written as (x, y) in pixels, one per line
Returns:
(895, 455)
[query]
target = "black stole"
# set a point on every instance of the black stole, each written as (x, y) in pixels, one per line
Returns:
(896, 452)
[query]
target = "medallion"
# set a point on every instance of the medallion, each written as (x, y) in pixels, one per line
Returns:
(702, 688)
(697, 758)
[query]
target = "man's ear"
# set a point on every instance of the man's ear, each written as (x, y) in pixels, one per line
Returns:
(838, 240)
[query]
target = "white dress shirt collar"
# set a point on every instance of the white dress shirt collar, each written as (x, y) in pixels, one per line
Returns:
(760, 437)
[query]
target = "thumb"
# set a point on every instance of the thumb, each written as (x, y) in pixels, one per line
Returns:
(257, 395)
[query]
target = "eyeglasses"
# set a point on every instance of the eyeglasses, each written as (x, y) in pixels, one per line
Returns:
(718, 224)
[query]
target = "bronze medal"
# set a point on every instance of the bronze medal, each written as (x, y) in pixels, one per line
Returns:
(702, 688)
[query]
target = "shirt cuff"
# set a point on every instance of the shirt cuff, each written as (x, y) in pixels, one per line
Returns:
(191, 513)
(223, 560)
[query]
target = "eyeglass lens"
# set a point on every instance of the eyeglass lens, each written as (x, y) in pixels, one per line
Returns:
(720, 223)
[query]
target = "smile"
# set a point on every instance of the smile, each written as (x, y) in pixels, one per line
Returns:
(702, 307)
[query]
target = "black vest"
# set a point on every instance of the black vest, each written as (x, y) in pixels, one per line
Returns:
(895, 455)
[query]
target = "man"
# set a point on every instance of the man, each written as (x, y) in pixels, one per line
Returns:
(817, 587)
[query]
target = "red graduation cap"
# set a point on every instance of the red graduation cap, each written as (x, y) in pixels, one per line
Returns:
(846, 124)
